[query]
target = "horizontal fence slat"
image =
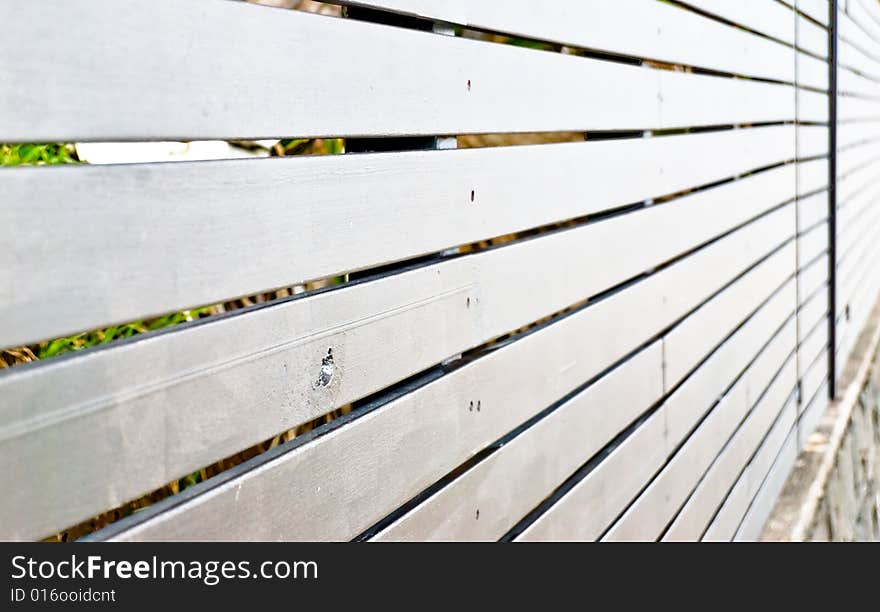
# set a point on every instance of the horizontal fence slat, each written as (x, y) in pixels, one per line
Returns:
(816, 9)
(738, 500)
(814, 411)
(261, 360)
(613, 334)
(640, 28)
(811, 312)
(856, 297)
(696, 515)
(851, 108)
(812, 106)
(770, 18)
(816, 373)
(811, 72)
(862, 13)
(812, 175)
(811, 37)
(852, 84)
(658, 504)
(852, 134)
(812, 141)
(120, 85)
(851, 33)
(762, 503)
(585, 510)
(812, 244)
(683, 345)
(683, 414)
(515, 478)
(281, 237)
(855, 55)
(812, 209)
(811, 279)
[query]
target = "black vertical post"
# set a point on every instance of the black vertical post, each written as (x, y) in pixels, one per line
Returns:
(832, 199)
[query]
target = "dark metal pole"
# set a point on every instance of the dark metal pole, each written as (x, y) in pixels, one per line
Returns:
(832, 199)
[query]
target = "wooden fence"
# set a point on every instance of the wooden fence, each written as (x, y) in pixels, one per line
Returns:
(640, 357)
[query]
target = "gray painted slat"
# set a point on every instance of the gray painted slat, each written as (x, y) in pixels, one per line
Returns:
(812, 141)
(816, 373)
(812, 210)
(640, 28)
(219, 79)
(810, 417)
(812, 175)
(764, 16)
(658, 504)
(811, 72)
(264, 364)
(849, 134)
(506, 485)
(811, 37)
(863, 14)
(731, 513)
(208, 231)
(685, 345)
(593, 504)
(811, 278)
(763, 502)
(817, 9)
(713, 488)
(324, 497)
(852, 33)
(812, 243)
(812, 106)
(857, 53)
